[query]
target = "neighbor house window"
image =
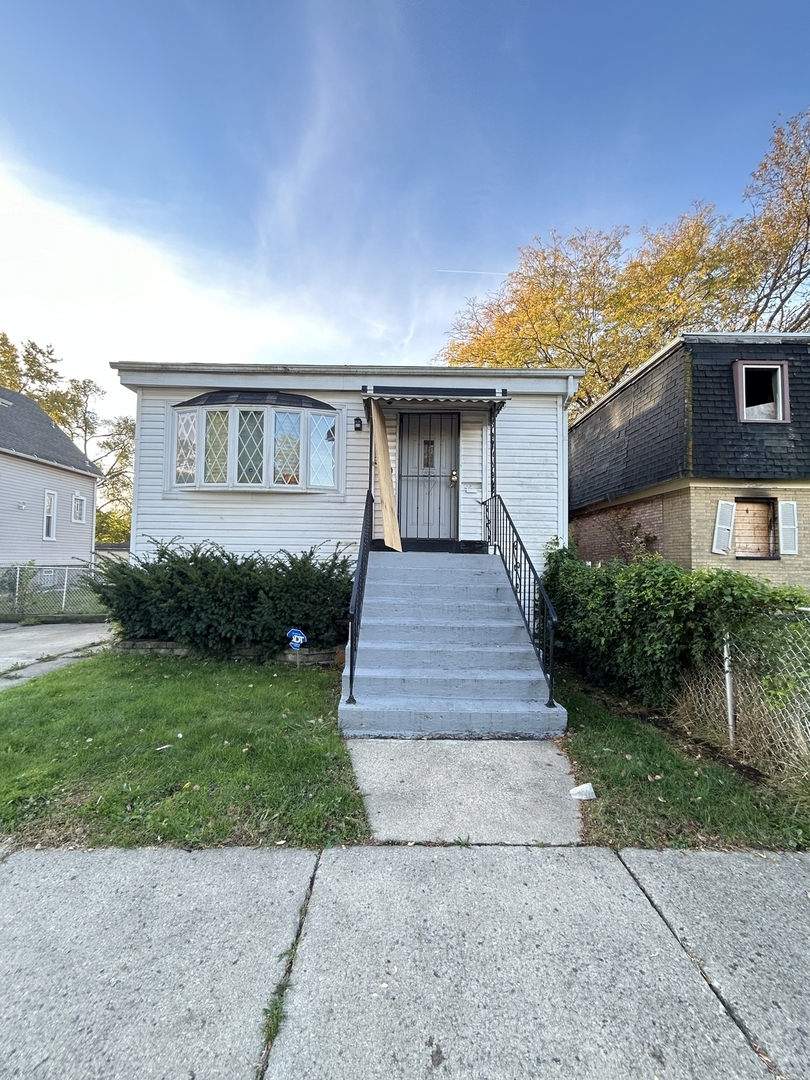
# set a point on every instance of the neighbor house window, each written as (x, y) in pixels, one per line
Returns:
(256, 447)
(756, 528)
(761, 389)
(49, 519)
(79, 512)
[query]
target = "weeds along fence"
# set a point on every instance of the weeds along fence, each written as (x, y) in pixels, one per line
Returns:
(766, 717)
(29, 590)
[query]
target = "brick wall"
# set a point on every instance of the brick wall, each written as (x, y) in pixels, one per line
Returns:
(618, 532)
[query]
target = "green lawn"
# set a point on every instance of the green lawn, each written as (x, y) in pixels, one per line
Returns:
(127, 752)
(658, 789)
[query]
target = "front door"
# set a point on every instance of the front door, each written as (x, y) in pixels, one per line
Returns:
(428, 476)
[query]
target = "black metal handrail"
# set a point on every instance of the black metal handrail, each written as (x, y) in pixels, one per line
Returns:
(359, 590)
(536, 607)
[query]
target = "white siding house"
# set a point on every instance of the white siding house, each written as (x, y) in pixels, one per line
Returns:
(270, 457)
(47, 489)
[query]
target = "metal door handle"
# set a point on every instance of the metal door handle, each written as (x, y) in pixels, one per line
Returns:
(453, 478)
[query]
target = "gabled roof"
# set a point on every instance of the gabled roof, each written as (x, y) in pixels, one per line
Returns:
(26, 431)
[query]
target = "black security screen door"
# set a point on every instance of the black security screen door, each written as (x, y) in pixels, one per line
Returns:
(428, 476)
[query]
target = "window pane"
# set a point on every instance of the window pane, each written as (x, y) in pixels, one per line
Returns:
(78, 509)
(250, 461)
(322, 451)
(49, 529)
(287, 449)
(186, 467)
(216, 447)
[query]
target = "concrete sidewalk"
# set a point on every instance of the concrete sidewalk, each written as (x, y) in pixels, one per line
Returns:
(28, 651)
(482, 963)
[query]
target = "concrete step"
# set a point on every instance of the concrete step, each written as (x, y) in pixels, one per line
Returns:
(496, 588)
(400, 683)
(472, 611)
(436, 632)
(454, 718)
(428, 560)
(444, 651)
(451, 656)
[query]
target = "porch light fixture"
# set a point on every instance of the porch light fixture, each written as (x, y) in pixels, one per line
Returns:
(358, 423)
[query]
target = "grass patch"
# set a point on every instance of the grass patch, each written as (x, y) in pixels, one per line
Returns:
(149, 750)
(657, 789)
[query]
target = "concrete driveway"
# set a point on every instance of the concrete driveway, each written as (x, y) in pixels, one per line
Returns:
(28, 651)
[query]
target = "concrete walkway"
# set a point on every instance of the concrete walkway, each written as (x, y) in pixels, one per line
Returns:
(28, 651)
(482, 963)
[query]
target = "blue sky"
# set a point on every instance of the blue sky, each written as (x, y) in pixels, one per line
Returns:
(240, 180)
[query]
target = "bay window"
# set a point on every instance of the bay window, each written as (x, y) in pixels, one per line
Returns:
(265, 446)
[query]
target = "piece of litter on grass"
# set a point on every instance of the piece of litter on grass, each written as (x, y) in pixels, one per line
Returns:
(250, 686)
(196, 787)
(660, 799)
(629, 757)
(179, 734)
(280, 842)
(583, 791)
(88, 740)
(166, 747)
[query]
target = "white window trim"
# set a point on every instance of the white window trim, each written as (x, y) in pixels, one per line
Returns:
(788, 527)
(268, 484)
(724, 527)
(83, 500)
(783, 390)
(45, 536)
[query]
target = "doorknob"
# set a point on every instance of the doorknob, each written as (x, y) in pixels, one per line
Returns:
(453, 478)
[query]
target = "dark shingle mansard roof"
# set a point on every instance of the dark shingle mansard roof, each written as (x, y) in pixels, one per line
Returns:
(26, 430)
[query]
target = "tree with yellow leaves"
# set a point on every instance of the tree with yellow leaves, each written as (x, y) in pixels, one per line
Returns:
(589, 301)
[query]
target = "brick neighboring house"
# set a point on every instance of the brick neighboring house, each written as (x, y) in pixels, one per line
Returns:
(702, 454)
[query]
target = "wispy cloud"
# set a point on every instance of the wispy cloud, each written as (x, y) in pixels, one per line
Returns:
(100, 294)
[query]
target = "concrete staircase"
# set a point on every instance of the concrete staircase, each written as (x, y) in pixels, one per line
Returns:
(444, 652)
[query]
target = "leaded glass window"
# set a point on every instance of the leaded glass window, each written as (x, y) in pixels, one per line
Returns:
(287, 449)
(186, 461)
(216, 447)
(250, 458)
(321, 451)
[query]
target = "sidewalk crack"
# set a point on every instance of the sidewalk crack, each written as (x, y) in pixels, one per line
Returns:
(274, 1014)
(756, 1046)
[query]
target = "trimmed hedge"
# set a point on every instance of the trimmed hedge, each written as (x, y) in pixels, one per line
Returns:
(216, 602)
(639, 628)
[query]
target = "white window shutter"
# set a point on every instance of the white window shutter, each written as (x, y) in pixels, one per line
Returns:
(723, 527)
(788, 529)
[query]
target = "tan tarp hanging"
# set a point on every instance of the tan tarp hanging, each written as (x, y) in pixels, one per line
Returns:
(385, 479)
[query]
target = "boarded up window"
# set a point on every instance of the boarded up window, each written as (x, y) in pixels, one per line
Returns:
(755, 530)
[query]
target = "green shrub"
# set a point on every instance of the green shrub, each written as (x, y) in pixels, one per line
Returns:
(216, 602)
(639, 628)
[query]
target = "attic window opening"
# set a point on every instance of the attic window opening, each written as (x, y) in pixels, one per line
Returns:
(762, 392)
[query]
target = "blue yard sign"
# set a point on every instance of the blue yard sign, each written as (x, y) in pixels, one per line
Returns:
(297, 638)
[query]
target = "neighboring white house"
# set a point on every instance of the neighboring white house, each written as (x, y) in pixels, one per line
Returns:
(47, 489)
(271, 457)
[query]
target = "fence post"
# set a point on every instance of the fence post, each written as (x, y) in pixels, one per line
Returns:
(17, 591)
(64, 592)
(729, 688)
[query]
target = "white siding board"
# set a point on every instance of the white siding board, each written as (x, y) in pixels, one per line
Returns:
(21, 540)
(471, 476)
(531, 436)
(528, 468)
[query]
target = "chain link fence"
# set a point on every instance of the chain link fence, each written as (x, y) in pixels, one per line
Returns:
(29, 590)
(762, 711)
